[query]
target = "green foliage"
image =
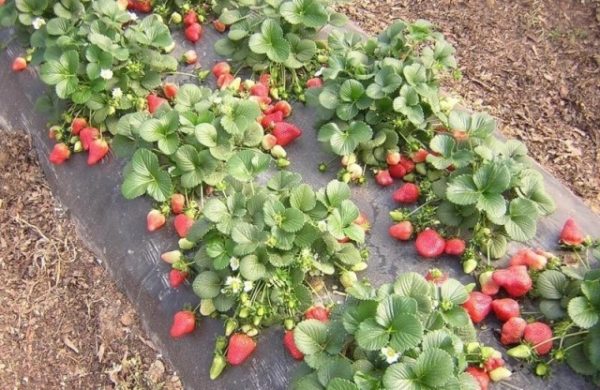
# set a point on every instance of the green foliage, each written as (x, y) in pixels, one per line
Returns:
(396, 338)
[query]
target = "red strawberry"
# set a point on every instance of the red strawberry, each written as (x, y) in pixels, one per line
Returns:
(318, 313)
(529, 258)
(19, 64)
(190, 18)
(221, 68)
(193, 32)
(282, 106)
(240, 348)
(436, 276)
(480, 376)
(259, 89)
(182, 224)
(285, 133)
(219, 26)
(87, 135)
(383, 178)
(177, 203)
(77, 125)
(407, 193)
(290, 345)
(401, 231)
(478, 306)
(269, 121)
(539, 334)
(492, 363)
(184, 322)
(315, 82)
(154, 102)
(155, 220)
(506, 308)
(407, 163)
(98, 149)
(430, 244)
(224, 80)
(190, 57)
(455, 247)
(488, 286)
(60, 153)
(419, 156)
(393, 158)
(265, 79)
(177, 277)
(512, 330)
(571, 234)
(515, 280)
(397, 171)
(170, 90)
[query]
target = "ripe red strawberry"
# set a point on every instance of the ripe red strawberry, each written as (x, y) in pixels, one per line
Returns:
(190, 57)
(170, 90)
(240, 348)
(512, 331)
(177, 277)
(290, 345)
(19, 64)
(190, 18)
(478, 306)
(184, 322)
(383, 178)
(98, 149)
(492, 363)
(315, 82)
(154, 102)
(282, 106)
(571, 234)
(77, 125)
(480, 376)
(193, 32)
(60, 153)
(407, 193)
(177, 203)
(155, 220)
(529, 258)
(515, 280)
(285, 133)
(407, 163)
(259, 89)
(265, 79)
(419, 156)
(397, 171)
(402, 231)
(488, 286)
(393, 158)
(539, 334)
(436, 276)
(182, 224)
(268, 121)
(318, 313)
(225, 80)
(506, 308)
(221, 68)
(219, 26)
(87, 135)
(429, 244)
(455, 247)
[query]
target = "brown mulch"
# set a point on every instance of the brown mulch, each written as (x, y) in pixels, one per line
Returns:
(63, 323)
(534, 64)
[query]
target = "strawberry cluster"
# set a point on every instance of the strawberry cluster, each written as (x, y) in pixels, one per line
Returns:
(80, 137)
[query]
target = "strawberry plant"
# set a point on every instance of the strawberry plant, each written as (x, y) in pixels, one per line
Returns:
(411, 334)
(255, 247)
(277, 38)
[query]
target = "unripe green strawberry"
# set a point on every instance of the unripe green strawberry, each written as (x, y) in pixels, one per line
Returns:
(217, 366)
(185, 244)
(500, 373)
(469, 265)
(207, 307)
(521, 352)
(230, 326)
(278, 152)
(348, 278)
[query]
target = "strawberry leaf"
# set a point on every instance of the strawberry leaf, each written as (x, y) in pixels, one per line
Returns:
(207, 285)
(311, 336)
(270, 41)
(583, 313)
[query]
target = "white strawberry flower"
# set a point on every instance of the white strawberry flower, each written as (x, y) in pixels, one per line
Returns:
(37, 23)
(248, 285)
(133, 16)
(117, 93)
(234, 263)
(390, 355)
(106, 74)
(235, 284)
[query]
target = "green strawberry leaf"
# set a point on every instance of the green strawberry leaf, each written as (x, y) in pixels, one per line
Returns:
(270, 41)
(311, 336)
(583, 313)
(207, 285)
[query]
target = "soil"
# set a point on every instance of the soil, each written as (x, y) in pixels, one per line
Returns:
(534, 64)
(63, 322)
